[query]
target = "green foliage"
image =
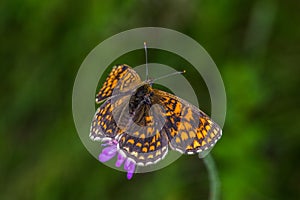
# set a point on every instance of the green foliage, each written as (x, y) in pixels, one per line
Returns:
(255, 45)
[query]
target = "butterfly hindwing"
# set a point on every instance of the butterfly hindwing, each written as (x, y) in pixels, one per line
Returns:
(103, 124)
(144, 150)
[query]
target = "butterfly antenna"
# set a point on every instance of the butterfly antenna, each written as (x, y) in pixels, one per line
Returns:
(168, 75)
(146, 55)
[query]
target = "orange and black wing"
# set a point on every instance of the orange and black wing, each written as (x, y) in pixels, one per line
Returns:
(189, 130)
(104, 124)
(144, 150)
(138, 135)
(121, 79)
(144, 141)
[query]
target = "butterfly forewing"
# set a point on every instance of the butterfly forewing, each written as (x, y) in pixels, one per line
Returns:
(189, 130)
(121, 79)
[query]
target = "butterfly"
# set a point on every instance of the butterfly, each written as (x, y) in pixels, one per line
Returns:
(145, 123)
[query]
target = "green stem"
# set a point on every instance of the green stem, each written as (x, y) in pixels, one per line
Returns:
(213, 177)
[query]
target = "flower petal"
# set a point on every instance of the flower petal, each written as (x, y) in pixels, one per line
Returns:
(130, 171)
(129, 166)
(107, 153)
(126, 164)
(110, 150)
(120, 160)
(129, 175)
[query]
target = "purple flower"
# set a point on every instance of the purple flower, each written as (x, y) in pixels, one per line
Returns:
(120, 160)
(110, 151)
(129, 166)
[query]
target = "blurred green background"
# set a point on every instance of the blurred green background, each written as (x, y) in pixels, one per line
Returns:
(255, 44)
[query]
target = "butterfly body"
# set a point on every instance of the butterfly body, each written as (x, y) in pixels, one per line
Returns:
(146, 122)
(141, 98)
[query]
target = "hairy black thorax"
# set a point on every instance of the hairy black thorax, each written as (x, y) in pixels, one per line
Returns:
(140, 103)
